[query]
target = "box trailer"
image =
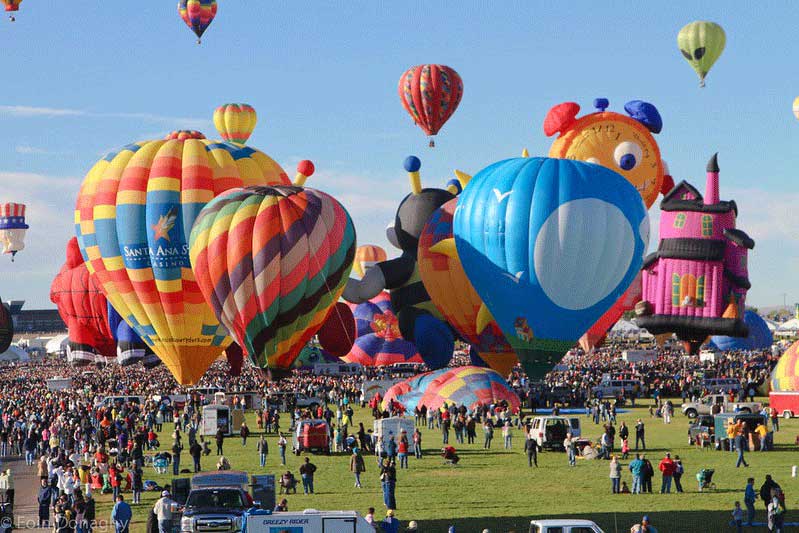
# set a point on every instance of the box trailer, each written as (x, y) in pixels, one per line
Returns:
(786, 403)
(308, 521)
(394, 426)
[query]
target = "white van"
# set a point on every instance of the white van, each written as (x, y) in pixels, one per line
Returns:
(571, 525)
(550, 431)
(307, 521)
(716, 385)
(613, 388)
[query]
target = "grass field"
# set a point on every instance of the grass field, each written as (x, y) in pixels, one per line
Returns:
(495, 489)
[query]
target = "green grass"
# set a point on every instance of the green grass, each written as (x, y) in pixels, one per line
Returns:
(495, 489)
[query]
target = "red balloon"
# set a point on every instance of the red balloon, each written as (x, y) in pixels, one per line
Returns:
(338, 330)
(595, 336)
(430, 94)
(235, 358)
(83, 307)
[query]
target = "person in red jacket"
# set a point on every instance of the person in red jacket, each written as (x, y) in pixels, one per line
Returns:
(667, 467)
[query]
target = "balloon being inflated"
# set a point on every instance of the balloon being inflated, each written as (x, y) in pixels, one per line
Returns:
(549, 245)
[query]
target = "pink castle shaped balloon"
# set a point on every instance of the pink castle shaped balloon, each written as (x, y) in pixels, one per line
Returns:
(695, 284)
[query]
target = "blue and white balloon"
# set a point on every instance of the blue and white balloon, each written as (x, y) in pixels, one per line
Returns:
(550, 245)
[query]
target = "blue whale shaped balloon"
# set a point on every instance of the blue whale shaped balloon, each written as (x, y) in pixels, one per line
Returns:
(549, 245)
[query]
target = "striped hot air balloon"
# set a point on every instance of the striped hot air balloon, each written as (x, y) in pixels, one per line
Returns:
(133, 216)
(271, 262)
(785, 376)
(235, 122)
(430, 94)
(197, 14)
(469, 386)
(366, 256)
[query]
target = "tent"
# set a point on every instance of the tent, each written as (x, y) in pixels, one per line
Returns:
(788, 328)
(57, 345)
(625, 327)
(759, 338)
(14, 354)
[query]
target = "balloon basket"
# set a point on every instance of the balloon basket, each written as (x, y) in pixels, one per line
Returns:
(432, 143)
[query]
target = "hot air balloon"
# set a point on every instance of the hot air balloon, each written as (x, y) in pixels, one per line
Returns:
(84, 309)
(469, 386)
(785, 376)
(337, 332)
(271, 262)
(11, 7)
(549, 245)
(430, 94)
(623, 143)
(311, 355)
(133, 216)
(595, 336)
(235, 122)
(378, 341)
(367, 256)
(197, 14)
(453, 294)
(12, 228)
(695, 284)
(130, 348)
(6, 327)
(759, 338)
(796, 107)
(701, 44)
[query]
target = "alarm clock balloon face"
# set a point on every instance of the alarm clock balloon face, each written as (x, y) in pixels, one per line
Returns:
(626, 148)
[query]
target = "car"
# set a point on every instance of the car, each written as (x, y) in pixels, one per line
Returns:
(292, 400)
(564, 525)
(701, 425)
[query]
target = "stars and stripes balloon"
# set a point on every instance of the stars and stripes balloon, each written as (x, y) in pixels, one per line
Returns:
(12, 228)
(198, 15)
(549, 245)
(430, 94)
(271, 262)
(133, 216)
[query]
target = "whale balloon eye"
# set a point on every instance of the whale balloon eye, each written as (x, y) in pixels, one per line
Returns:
(627, 155)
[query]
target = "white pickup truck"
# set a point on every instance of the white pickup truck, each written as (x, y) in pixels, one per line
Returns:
(706, 404)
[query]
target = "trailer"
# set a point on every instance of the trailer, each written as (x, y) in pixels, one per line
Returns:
(394, 427)
(785, 403)
(308, 521)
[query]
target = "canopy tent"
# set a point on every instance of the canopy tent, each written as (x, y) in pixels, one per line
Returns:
(57, 345)
(772, 326)
(788, 328)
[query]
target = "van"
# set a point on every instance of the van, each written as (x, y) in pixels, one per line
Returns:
(570, 525)
(716, 385)
(550, 431)
(613, 388)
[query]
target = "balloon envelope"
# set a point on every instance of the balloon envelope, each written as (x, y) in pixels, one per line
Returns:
(467, 385)
(430, 94)
(133, 216)
(785, 376)
(197, 14)
(235, 122)
(701, 44)
(271, 261)
(549, 245)
(595, 336)
(759, 338)
(338, 330)
(366, 256)
(378, 341)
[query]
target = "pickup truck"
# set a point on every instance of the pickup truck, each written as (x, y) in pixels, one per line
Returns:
(216, 502)
(706, 404)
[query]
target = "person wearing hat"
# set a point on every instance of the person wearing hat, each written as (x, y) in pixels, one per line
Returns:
(283, 506)
(644, 527)
(413, 527)
(163, 510)
(390, 524)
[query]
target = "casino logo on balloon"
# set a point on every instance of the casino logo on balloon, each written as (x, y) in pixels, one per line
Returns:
(549, 245)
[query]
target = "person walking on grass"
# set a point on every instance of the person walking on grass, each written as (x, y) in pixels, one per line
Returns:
(263, 449)
(678, 472)
(667, 468)
(570, 447)
(740, 443)
(357, 466)
(244, 432)
(615, 474)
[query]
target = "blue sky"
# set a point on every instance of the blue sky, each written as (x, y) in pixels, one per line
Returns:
(80, 77)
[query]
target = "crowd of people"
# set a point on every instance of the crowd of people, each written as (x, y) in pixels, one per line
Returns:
(80, 446)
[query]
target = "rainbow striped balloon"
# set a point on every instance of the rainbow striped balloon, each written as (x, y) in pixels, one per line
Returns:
(197, 14)
(785, 376)
(271, 262)
(235, 122)
(134, 212)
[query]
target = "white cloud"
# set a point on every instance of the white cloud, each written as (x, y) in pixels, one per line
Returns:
(50, 112)
(32, 150)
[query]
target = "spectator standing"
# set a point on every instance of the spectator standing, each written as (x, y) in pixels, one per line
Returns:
(177, 447)
(244, 432)
(488, 432)
(417, 443)
(220, 441)
(615, 474)
(637, 471)
(281, 446)
(667, 468)
(750, 497)
(121, 515)
(648, 473)
(196, 452)
(163, 510)
(388, 479)
(531, 449)
(307, 471)
(568, 445)
(263, 449)
(507, 435)
(640, 435)
(679, 470)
